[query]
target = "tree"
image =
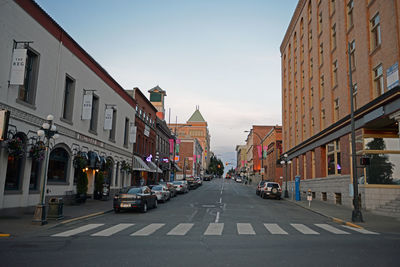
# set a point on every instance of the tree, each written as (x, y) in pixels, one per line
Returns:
(216, 166)
(380, 170)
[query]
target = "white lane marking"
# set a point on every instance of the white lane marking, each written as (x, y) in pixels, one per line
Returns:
(363, 231)
(112, 230)
(275, 229)
(304, 229)
(79, 230)
(245, 229)
(208, 206)
(217, 217)
(214, 229)
(331, 229)
(148, 230)
(181, 229)
(220, 200)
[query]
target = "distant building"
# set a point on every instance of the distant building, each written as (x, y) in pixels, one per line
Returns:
(321, 38)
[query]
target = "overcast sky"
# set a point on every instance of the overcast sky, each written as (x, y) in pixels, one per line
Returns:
(222, 55)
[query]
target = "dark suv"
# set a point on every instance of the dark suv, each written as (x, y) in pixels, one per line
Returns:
(259, 186)
(271, 189)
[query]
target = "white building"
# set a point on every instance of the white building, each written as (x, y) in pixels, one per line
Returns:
(56, 76)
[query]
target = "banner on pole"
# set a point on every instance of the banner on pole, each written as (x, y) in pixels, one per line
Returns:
(108, 118)
(87, 107)
(18, 64)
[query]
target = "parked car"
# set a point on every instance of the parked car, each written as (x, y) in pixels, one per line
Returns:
(162, 193)
(135, 197)
(271, 189)
(170, 187)
(259, 186)
(199, 181)
(207, 177)
(181, 186)
(192, 183)
(239, 180)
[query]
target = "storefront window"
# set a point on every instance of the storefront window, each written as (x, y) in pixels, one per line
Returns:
(58, 165)
(14, 171)
(383, 169)
(35, 174)
(382, 143)
(333, 158)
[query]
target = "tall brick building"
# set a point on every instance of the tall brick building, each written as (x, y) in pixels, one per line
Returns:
(316, 97)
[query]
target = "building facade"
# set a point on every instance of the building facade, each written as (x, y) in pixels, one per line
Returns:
(189, 159)
(272, 154)
(324, 43)
(47, 72)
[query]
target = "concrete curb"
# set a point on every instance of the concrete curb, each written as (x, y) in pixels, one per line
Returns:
(84, 217)
(334, 219)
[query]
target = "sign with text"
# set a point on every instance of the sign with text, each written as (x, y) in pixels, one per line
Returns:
(108, 118)
(18, 67)
(87, 107)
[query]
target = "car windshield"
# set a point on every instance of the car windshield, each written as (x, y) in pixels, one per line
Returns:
(134, 190)
(157, 188)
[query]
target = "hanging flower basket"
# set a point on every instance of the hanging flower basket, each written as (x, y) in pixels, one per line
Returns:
(37, 151)
(125, 166)
(15, 147)
(80, 161)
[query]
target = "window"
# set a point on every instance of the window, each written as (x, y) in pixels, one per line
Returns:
(311, 67)
(322, 87)
(378, 81)
(95, 113)
(58, 165)
(302, 76)
(333, 29)
(16, 161)
(114, 122)
(333, 6)
(375, 32)
(321, 54)
(309, 11)
(323, 118)
(333, 158)
(313, 164)
(27, 91)
(334, 74)
(35, 174)
(126, 132)
(312, 96)
(350, 7)
(310, 39)
(301, 28)
(336, 106)
(352, 54)
(320, 23)
(69, 91)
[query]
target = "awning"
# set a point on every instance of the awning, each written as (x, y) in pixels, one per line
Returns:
(139, 165)
(154, 167)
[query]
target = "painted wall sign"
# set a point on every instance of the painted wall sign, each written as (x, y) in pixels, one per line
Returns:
(18, 67)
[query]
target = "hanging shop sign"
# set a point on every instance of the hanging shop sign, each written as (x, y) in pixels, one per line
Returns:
(87, 107)
(108, 118)
(18, 67)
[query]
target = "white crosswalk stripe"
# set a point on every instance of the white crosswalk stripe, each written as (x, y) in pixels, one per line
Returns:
(274, 229)
(214, 229)
(245, 229)
(181, 229)
(304, 229)
(148, 230)
(79, 230)
(114, 229)
(361, 230)
(331, 229)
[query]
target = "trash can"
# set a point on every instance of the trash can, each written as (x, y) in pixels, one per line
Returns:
(56, 205)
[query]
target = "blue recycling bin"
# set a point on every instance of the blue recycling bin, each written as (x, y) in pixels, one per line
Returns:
(297, 187)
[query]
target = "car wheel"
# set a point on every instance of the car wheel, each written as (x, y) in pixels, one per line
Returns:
(155, 204)
(144, 209)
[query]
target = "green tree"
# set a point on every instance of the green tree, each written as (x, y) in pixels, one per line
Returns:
(216, 166)
(381, 169)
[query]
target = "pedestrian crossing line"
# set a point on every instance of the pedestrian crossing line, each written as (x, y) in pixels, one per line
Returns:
(148, 230)
(304, 229)
(214, 229)
(181, 229)
(245, 229)
(361, 230)
(113, 230)
(79, 230)
(331, 229)
(275, 229)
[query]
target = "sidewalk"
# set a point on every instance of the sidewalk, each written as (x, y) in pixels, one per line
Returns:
(20, 224)
(342, 215)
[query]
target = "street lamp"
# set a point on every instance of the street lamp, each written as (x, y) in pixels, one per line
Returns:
(262, 156)
(48, 131)
(285, 161)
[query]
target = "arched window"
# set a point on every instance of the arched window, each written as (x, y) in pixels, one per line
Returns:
(16, 159)
(58, 165)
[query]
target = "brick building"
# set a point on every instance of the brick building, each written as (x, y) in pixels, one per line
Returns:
(189, 160)
(321, 38)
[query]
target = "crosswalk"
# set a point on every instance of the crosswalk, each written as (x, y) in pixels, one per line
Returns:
(212, 229)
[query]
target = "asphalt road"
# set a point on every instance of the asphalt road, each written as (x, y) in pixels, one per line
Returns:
(222, 223)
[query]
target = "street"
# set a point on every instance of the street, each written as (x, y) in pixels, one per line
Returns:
(222, 223)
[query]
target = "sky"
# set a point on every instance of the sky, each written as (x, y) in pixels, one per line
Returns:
(220, 55)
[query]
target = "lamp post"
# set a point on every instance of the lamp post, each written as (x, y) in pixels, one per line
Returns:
(286, 162)
(262, 156)
(48, 131)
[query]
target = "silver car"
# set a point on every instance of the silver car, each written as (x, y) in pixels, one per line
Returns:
(181, 186)
(162, 193)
